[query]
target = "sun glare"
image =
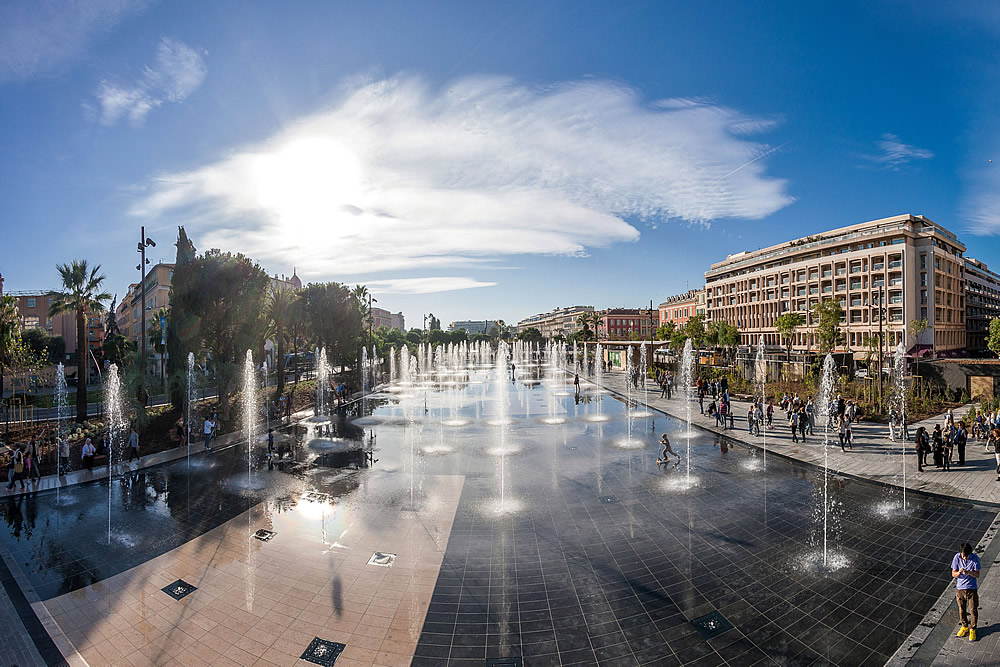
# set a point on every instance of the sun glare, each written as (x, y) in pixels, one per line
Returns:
(308, 184)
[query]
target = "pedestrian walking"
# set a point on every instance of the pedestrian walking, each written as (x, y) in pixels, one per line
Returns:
(965, 570)
(919, 443)
(34, 473)
(723, 410)
(133, 445)
(793, 422)
(16, 473)
(803, 422)
(63, 456)
(842, 432)
(576, 385)
(961, 438)
(810, 414)
(770, 413)
(701, 400)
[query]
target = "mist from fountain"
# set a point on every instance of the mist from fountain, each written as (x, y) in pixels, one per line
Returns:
(117, 427)
(190, 403)
(687, 380)
(827, 382)
(761, 367)
(250, 414)
(899, 386)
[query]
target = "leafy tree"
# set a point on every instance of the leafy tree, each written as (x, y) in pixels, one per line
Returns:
(118, 350)
(829, 315)
(230, 290)
(459, 335)
(678, 340)
(916, 329)
(438, 337)
(184, 332)
(666, 331)
(635, 335)
(786, 324)
(530, 335)
(694, 329)
(727, 336)
(334, 320)
(588, 321)
(36, 339)
(279, 309)
(415, 336)
(10, 330)
(82, 295)
(993, 337)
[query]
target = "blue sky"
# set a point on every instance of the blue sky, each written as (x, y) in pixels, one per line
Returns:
(487, 160)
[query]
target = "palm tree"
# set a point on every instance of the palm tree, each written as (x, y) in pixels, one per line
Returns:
(82, 294)
(278, 311)
(10, 332)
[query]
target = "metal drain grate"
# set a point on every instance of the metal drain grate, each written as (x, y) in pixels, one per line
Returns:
(264, 535)
(711, 625)
(382, 559)
(504, 662)
(323, 652)
(179, 589)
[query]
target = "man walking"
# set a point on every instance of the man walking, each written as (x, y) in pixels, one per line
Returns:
(965, 570)
(133, 445)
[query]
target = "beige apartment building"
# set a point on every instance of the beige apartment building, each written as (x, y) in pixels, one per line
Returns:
(558, 322)
(914, 263)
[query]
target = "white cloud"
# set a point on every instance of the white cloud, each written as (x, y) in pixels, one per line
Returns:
(893, 153)
(177, 72)
(424, 285)
(398, 176)
(38, 36)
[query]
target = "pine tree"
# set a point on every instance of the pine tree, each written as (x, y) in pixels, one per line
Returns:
(183, 334)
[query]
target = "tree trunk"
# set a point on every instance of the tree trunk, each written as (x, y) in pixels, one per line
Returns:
(81, 367)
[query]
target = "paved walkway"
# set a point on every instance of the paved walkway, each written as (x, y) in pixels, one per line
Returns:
(874, 456)
(877, 458)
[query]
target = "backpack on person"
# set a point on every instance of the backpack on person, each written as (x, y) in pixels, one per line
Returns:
(18, 462)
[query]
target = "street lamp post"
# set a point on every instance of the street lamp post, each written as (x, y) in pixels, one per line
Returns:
(143, 244)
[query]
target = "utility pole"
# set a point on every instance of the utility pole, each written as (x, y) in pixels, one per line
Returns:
(143, 243)
(651, 329)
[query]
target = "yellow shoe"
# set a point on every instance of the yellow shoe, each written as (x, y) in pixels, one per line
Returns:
(962, 631)
(972, 634)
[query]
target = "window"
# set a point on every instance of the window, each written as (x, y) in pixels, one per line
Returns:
(31, 302)
(923, 261)
(923, 296)
(923, 280)
(923, 313)
(31, 321)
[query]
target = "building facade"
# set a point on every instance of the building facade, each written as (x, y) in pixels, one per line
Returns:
(558, 322)
(679, 309)
(622, 323)
(33, 308)
(982, 304)
(384, 318)
(912, 265)
(470, 327)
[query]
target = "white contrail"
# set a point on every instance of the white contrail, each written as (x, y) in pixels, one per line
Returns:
(764, 154)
